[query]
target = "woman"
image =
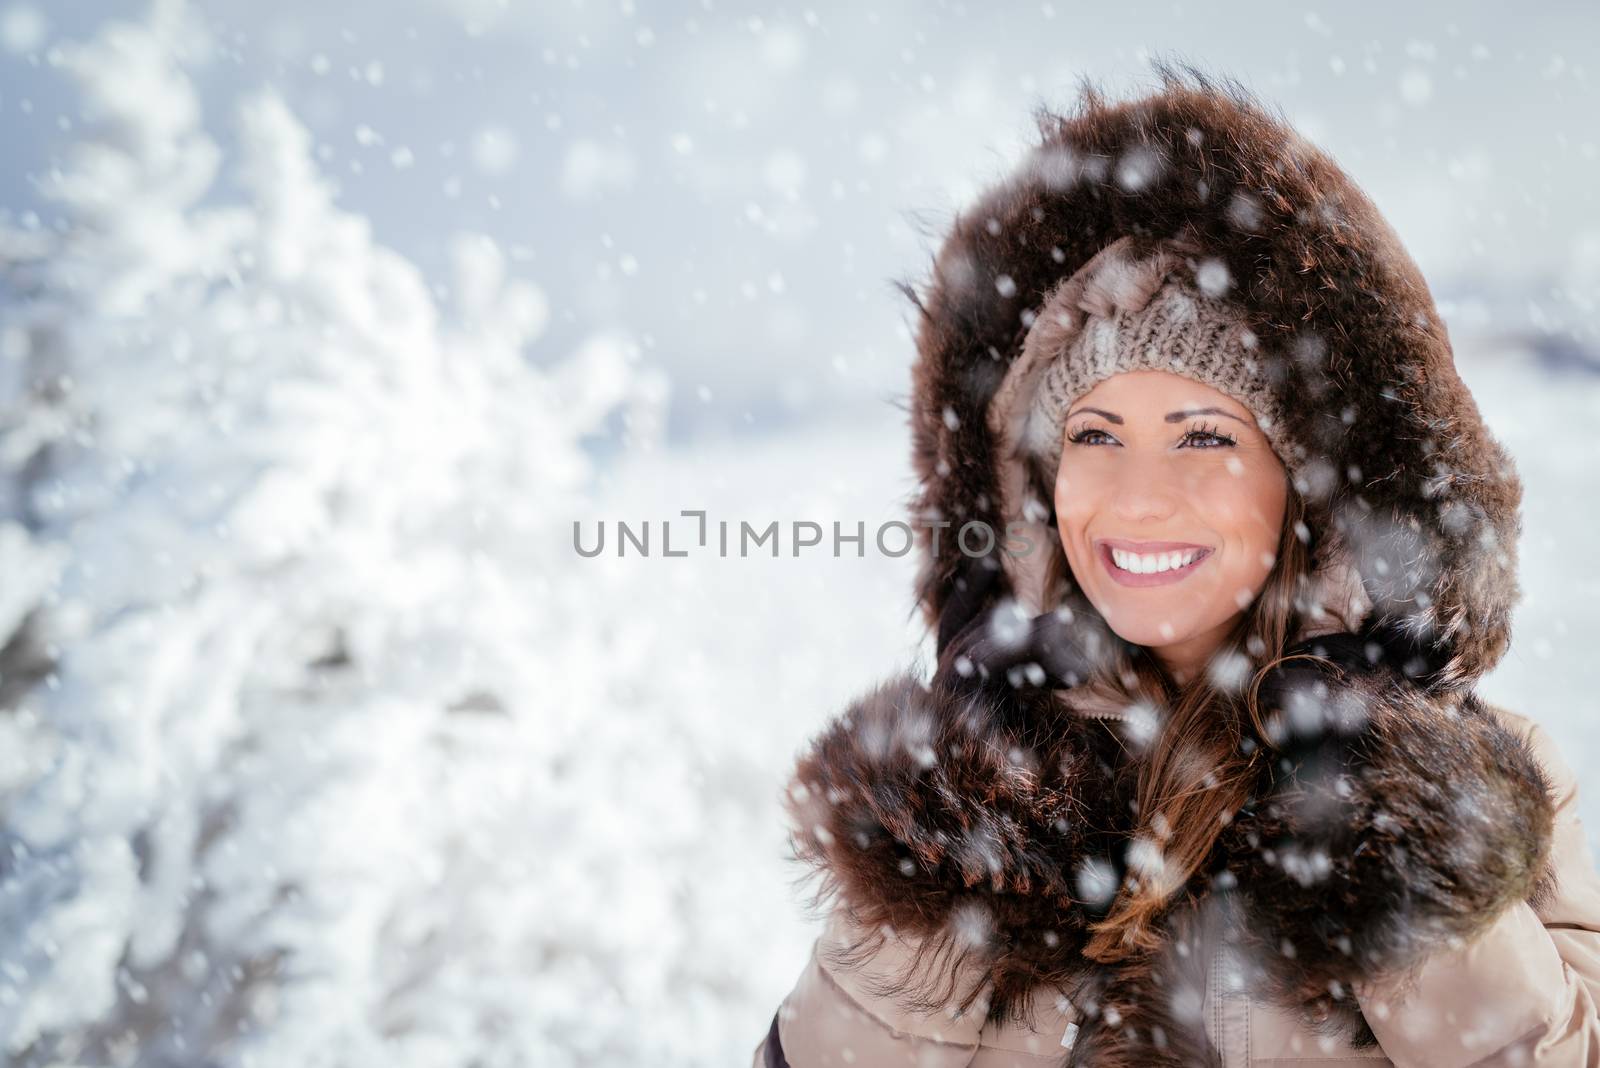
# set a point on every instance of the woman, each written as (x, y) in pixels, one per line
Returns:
(1216, 545)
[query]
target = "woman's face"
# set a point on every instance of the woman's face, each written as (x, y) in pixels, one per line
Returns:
(1169, 501)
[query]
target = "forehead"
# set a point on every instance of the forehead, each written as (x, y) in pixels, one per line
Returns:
(1133, 393)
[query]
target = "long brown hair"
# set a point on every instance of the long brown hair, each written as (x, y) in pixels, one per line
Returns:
(1198, 770)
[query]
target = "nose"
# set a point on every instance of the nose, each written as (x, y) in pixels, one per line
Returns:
(1148, 492)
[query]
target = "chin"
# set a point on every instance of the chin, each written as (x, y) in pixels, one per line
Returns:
(1150, 637)
(1140, 627)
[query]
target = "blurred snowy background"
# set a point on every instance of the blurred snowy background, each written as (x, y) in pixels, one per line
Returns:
(321, 323)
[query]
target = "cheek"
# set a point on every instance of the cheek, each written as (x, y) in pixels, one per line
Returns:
(1246, 509)
(1078, 495)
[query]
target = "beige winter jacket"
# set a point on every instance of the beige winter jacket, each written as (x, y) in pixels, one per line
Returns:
(1525, 993)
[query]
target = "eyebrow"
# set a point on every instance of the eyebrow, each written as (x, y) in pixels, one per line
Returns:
(1171, 417)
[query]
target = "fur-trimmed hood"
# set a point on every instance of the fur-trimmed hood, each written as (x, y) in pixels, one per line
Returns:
(994, 825)
(1404, 470)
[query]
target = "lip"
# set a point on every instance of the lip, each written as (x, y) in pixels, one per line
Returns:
(1103, 547)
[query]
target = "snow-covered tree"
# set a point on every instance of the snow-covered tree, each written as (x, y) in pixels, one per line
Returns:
(280, 760)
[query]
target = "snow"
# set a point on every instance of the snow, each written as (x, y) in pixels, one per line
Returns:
(322, 743)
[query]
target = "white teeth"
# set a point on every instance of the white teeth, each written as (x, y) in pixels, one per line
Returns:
(1150, 563)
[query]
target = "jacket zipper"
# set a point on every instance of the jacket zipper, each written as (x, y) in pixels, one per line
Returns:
(1089, 713)
(1216, 1009)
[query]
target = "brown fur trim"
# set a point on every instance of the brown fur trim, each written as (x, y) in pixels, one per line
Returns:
(966, 820)
(1393, 822)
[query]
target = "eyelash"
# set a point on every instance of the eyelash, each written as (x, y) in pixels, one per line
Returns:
(1223, 440)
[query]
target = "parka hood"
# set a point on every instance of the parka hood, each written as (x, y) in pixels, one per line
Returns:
(1411, 502)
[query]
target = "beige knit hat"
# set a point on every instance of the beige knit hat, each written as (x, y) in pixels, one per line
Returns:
(1163, 311)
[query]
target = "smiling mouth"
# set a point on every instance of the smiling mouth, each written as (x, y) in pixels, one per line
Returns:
(1171, 564)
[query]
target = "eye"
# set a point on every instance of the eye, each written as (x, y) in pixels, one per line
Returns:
(1086, 435)
(1203, 437)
